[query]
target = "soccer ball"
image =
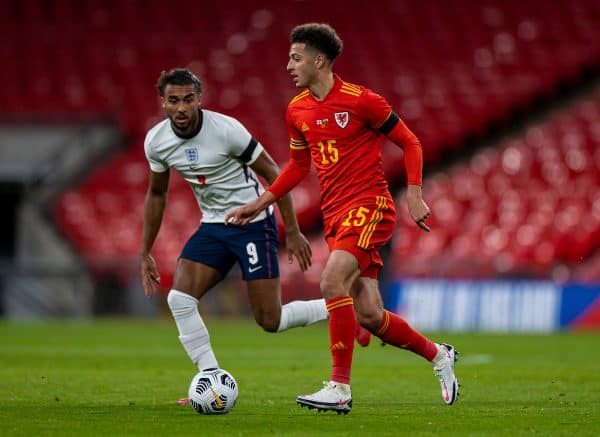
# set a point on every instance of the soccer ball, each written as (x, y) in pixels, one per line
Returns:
(213, 391)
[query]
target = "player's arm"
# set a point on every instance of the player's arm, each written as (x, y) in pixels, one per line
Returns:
(297, 245)
(295, 170)
(154, 207)
(395, 129)
(269, 170)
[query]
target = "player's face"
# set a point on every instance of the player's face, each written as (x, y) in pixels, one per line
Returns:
(301, 65)
(181, 104)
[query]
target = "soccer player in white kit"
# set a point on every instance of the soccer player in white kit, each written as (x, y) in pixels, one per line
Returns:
(220, 160)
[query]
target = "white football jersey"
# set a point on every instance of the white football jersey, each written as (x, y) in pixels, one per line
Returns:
(215, 163)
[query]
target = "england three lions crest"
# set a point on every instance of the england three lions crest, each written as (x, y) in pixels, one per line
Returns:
(191, 154)
(341, 118)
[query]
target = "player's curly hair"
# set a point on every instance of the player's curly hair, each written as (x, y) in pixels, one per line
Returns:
(178, 76)
(320, 36)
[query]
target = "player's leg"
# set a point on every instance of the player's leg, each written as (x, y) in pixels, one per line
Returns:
(390, 327)
(340, 272)
(191, 281)
(371, 237)
(394, 330)
(265, 301)
(255, 247)
(203, 263)
(362, 335)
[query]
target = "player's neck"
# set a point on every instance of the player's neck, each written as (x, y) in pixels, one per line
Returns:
(322, 86)
(194, 129)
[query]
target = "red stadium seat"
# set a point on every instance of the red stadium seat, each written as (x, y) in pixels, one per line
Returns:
(517, 210)
(449, 68)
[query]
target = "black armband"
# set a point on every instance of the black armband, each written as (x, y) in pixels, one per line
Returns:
(245, 157)
(389, 124)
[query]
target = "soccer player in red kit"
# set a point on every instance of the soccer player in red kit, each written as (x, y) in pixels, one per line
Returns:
(338, 127)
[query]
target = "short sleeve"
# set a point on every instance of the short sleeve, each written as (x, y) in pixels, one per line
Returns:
(252, 152)
(238, 137)
(240, 143)
(156, 164)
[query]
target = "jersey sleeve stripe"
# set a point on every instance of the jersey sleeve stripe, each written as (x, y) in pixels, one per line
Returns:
(296, 147)
(389, 123)
(297, 144)
(247, 155)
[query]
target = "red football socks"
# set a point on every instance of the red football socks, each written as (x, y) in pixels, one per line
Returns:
(342, 327)
(396, 331)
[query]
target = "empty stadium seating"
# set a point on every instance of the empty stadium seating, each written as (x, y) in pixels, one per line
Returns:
(529, 207)
(449, 68)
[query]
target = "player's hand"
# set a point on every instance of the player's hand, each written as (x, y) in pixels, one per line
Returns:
(150, 276)
(242, 216)
(419, 211)
(298, 247)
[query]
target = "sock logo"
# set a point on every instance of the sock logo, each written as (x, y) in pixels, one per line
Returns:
(339, 346)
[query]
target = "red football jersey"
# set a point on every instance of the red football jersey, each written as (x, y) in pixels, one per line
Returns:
(341, 134)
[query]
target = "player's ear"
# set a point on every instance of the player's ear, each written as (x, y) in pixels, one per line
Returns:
(319, 60)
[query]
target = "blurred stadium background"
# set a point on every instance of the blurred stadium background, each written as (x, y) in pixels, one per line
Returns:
(504, 95)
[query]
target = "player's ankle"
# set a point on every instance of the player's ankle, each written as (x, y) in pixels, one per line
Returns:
(439, 356)
(342, 387)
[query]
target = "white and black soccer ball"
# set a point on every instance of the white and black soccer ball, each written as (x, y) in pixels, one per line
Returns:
(213, 391)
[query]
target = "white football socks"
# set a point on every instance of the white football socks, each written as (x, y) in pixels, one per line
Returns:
(302, 313)
(192, 330)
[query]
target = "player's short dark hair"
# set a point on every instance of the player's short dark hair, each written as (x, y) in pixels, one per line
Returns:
(178, 76)
(320, 36)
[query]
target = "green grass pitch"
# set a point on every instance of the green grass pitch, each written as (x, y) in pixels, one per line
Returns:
(123, 377)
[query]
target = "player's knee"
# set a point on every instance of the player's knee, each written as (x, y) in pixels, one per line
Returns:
(331, 288)
(369, 319)
(181, 303)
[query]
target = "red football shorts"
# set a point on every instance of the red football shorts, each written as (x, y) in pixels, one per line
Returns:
(362, 229)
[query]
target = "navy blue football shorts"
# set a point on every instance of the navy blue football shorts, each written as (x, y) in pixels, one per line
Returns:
(253, 247)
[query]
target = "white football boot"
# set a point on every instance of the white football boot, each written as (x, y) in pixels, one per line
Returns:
(444, 370)
(332, 397)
